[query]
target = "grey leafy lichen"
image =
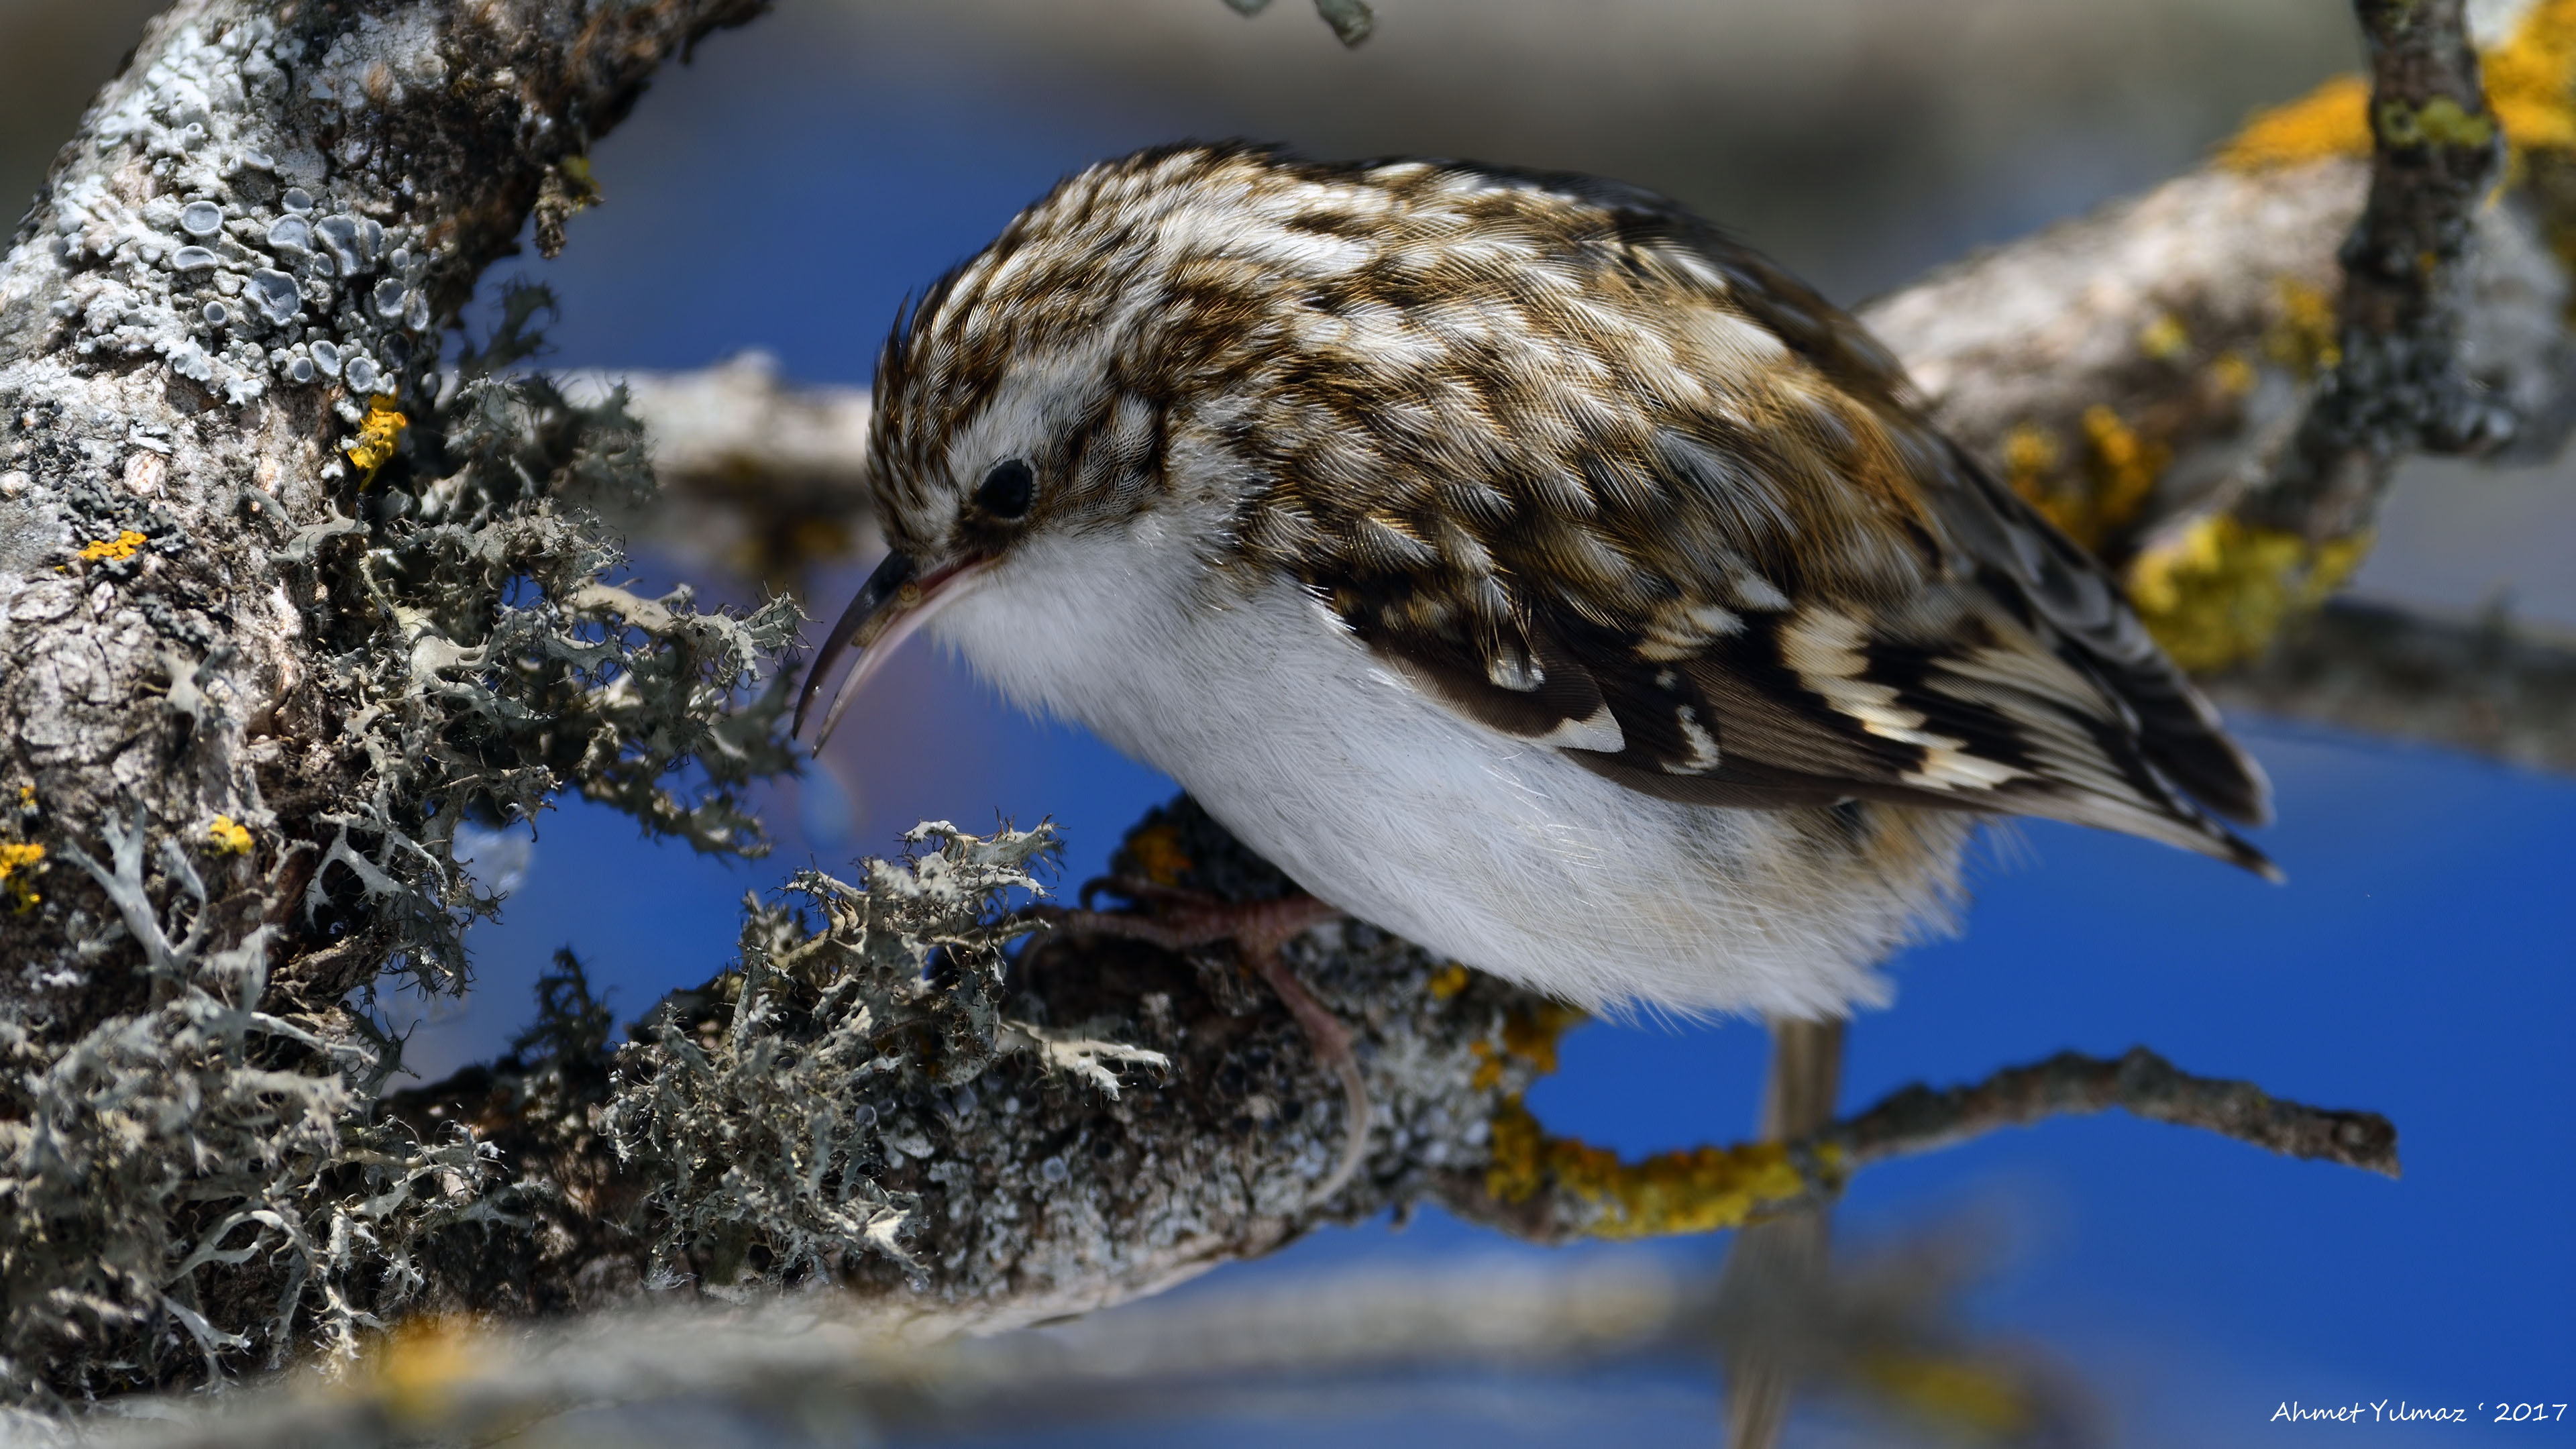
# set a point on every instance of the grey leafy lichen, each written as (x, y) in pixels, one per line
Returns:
(200, 1177)
(767, 1110)
(281, 605)
(480, 660)
(153, 1158)
(875, 1095)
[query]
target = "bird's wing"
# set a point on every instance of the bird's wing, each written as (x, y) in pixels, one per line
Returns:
(1739, 568)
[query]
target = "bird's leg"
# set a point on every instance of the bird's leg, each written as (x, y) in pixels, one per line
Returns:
(1182, 919)
(1783, 1260)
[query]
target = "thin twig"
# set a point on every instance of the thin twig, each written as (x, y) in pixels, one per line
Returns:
(2141, 1083)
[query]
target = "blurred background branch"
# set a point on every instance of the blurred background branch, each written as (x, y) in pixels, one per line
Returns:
(1882, 1337)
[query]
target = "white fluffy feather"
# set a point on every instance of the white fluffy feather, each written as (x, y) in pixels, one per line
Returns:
(1502, 853)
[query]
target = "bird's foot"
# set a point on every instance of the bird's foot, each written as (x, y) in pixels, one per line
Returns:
(1177, 919)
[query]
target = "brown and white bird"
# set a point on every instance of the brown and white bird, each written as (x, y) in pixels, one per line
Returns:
(1516, 561)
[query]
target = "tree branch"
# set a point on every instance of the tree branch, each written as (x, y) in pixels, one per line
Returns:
(759, 478)
(278, 609)
(2487, 686)
(2140, 1083)
(1884, 1337)
(1019, 1193)
(1838, 1332)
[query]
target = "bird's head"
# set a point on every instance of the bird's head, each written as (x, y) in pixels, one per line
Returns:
(1030, 396)
(1007, 413)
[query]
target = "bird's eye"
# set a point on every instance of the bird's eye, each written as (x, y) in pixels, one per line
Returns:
(1005, 491)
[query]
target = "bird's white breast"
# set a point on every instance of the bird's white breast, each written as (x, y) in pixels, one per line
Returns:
(1501, 853)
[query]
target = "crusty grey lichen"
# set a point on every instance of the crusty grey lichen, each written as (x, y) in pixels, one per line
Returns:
(246, 265)
(254, 680)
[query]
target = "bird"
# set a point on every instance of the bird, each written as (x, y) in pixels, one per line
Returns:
(1520, 563)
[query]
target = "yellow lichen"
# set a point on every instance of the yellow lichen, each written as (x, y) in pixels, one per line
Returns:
(1448, 981)
(2030, 455)
(2164, 338)
(2531, 79)
(580, 181)
(18, 865)
(1156, 850)
(2125, 467)
(1529, 1033)
(2233, 375)
(1694, 1191)
(225, 837)
(2531, 88)
(378, 436)
(421, 1364)
(2118, 476)
(2216, 594)
(2304, 336)
(2332, 120)
(122, 546)
(1960, 1393)
(2440, 121)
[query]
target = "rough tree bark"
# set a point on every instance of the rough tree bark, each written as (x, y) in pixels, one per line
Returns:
(276, 619)
(284, 605)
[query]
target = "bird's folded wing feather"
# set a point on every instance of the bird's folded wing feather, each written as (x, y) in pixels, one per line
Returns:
(1756, 577)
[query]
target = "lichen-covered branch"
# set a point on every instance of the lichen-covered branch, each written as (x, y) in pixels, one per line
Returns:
(2400, 384)
(280, 607)
(877, 1102)
(2142, 373)
(878, 1098)
(875, 1096)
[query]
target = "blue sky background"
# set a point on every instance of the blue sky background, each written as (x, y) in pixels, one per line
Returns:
(2418, 962)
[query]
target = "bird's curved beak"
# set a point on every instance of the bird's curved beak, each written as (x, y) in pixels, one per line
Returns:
(897, 599)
